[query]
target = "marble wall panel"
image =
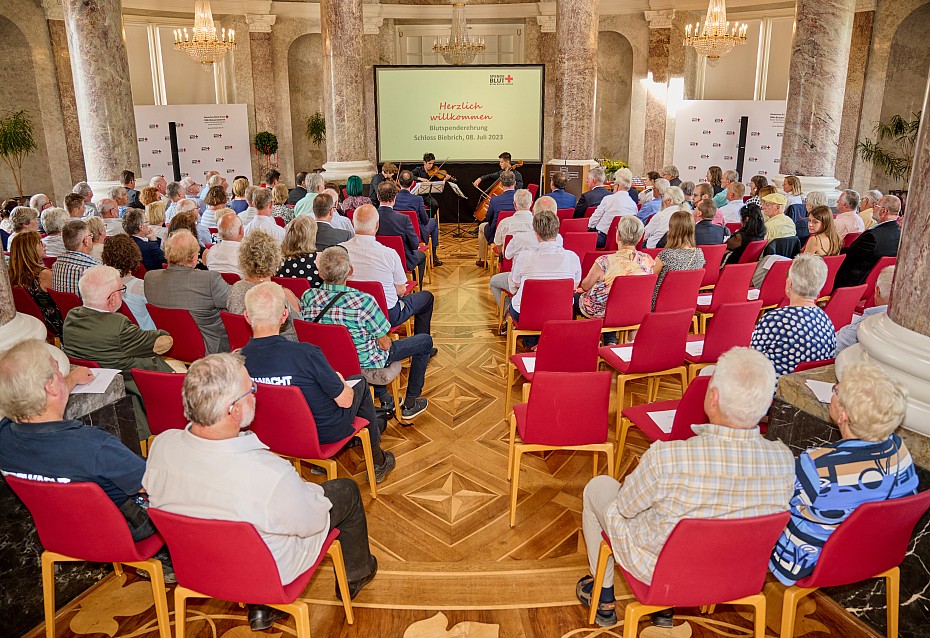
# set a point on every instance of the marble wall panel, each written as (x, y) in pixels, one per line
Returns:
(305, 70)
(656, 99)
(283, 35)
(62, 57)
(238, 78)
(614, 93)
(852, 104)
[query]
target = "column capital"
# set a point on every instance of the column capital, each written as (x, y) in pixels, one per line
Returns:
(546, 23)
(54, 10)
(260, 23)
(373, 24)
(866, 5)
(661, 19)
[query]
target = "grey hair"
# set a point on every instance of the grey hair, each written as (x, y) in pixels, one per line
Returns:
(874, 403)
(815, 198)
(883, 283)
(228, 226)
(808, 274)
(262, 198)
(522, 199)
(94, 284)
(21, 216)
(249, 194)
(852, 198)
(333, 265)
(598, 174)
(731, 175)
(890, 203)
(117, 193)
(365, 220)
(106, 206)
(54, 219)
(872, 196)
(264, 304)
(545, 203)
(671, 169)
(745, 383)
(661, 185)
(133, 221)
(546, 224)
(629, 230)
(185, 205)
(37, 201)
(215, 180)
(210, 387)
(82, 188)
(674, 195)
(174, 189)
(25, 369)
(314, 182)
(508, 178)
(154, 181)
(623, 179)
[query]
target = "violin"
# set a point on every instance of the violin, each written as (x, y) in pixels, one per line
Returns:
(437, 173)
(481, 210)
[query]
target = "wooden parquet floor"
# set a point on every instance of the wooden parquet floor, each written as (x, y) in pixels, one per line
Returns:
(450, 565)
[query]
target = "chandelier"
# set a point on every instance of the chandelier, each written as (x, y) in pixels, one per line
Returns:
(458, 48)
(205, 46)
(717, 37)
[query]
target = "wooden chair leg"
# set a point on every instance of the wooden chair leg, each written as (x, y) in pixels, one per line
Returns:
(631, 616)
(301, 613)
(526, 391)
(181, 594)
(48, 592)
(509, 393)
(514, 485)
(339, 565)
(611, 452)
(365, 437)
(789, 609)
(159, 593)
(510, 449)
(602, 556)
(398, 404)
(892, 592)
(684, 380)
(117, 569)
(621, 383)
(759, 619)
(327, 464)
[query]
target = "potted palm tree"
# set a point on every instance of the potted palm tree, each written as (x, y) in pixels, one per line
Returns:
(892, 151)
(16, 142)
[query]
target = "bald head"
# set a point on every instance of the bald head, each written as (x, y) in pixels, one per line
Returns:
(108, 208)
(365, 220)
(230, 227)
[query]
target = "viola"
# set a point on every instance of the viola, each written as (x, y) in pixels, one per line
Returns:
(481, 211)
(437, 173)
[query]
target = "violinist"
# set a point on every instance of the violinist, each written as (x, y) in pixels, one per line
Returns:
(498, 203)
(406, 200)
(429, 173)
(388, 171)
(506, 164)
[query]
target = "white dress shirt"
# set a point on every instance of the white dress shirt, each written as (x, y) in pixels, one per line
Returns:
(793, 199)
(520, 221)
(266, 224)
(619, 203)
(525, 240)
(373, 261)
(114, 226)
(658, 226)
(731, 211)
(224, 257)
(546, 261)
(848, 222)
(248, 215)
(342, 222)
(54, 246)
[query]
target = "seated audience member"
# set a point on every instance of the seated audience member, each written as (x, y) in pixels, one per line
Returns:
(270, 358)
(680, 252)
(69, 267)
(315, 186)
(23, 219)
(128, 181)
(388, 171)
(187, 210)
(74, 204)
(53, 221)
(546, 261)
(881, 240)
(297, 193)
(354, 195)
(123, 254)
(336, 303)
(615, 205)
(203, 293)
(688, 189)
(732, 202)
(706, 232)
(848, 220)
(497, 205)
(212, 469)
(262, 221)
(118, 194)
(406, 200)
(702, 192)
(392, 223)
(327, 234)
(633, 192)
(728, 470)
(721, 197)
(272, 178)
(249, 214)
(155, 218)
(187, 221)
(98, 233)
(777, 224)
(757, 183)
(224, 256)
(670, 173)
(649, 192)
(259, 260)
(372, 261)
(557, 183)
(871, 463)
(238, 203)
(791, 188)
(41, 203)
(815, 199)
(848, 334)
(97, 332)
(215, 201)
(518, 224)
(146, 239)
(280, 209)
(83, 189)
(865, 208)
(802, 331)
(672, 199)
(175, 193)
(654, 205)
(299, 249)
(28, 271)
(526, 239)
(714, 180)
(148, 195)
(823, 240)
(191, 191)
(595, 193)
(337, 220)
(160, 184)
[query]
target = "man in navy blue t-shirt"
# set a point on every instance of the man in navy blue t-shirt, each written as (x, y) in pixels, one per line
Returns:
(272, 359)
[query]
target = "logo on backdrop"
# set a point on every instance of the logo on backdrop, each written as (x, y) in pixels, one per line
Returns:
(500, 80)
(216, 135)
(194, 137)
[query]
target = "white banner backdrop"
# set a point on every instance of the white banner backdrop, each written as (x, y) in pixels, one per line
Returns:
(707, 134)
(210, 137)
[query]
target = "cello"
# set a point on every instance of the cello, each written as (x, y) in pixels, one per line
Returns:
(481, 210)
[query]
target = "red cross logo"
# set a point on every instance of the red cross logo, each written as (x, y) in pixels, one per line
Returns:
(509, 79)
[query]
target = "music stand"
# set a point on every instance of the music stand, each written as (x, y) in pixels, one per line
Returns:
(428, 188)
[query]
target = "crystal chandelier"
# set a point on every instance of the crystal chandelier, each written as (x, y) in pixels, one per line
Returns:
(458, 48)
(717, 37)
(205, 46)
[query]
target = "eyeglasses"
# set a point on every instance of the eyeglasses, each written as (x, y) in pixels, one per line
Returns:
(119, 290)
(252, 390)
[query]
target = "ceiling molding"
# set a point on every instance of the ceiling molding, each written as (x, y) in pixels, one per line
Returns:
(54, 9)
(660, 19)
(260, 23)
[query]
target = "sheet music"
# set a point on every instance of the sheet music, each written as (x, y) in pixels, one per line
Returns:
(458, 191)
(430, 187)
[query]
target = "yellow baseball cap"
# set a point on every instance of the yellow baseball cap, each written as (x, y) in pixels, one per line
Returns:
(775, 198)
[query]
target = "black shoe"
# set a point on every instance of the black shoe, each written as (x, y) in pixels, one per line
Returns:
(436, 263)
(664, 618)
(356, 586)
(381, 471)
(419, 405)
(479, 263)
(433, 352)
(385, 415)
(387, 404)
(262, 617)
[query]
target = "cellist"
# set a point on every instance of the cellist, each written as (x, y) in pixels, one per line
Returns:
(506, 163)
(498, 203)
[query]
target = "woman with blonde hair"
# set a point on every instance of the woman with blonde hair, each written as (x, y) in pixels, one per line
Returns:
(279, 195)
(792, 187)
(155, 218)
(299, 251)
(98, 231)
(239, 204)
(823, 240)
(680, 252)
(28, 271)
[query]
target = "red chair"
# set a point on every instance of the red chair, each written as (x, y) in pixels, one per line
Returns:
(349, 213)
(87, 363)
(565, 213)
(752, 252)
(589, 211)
(78, 522)
(423, 246)
(297, 285)
(679, 290)
(871, 543)
(734, 226)
(732, 287)
(565, 411)
(65, 301)
(139, 272)
(732, 326)
(868, 297)
(833, 266)
(542, 300)
(279, 221)
(161, 397)
(284, 423)
(812, 365)
(686, 578)
(772, 290)
(629, 300)
(713, 257)
(49, 261)
(580, 243)
(579, 225)
(612, 233)
(849, 239)
(396, 244)
(24, 303)
(659, 350)
(564, 346)
(504, 215)
(207, 557)
(533, 189)
(375, 289)
(652, 252)
(238, 329)
(689, 410)
(188, 341)
(842, 304)
(231, 277)
(589, 258)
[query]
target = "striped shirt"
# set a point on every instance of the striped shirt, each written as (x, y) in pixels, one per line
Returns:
(67, 271)
(720, 473)
(831, 482)
(358, 312)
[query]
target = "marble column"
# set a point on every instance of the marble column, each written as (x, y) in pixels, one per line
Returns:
(657, 77)
(55, 15)
(854, 94)
(814, 112)
(100, 66)
(262, 71)
(342, 26)
(576, 79)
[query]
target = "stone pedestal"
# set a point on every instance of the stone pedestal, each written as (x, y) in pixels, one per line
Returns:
(576, 78)
(342, 27)
(100, 67)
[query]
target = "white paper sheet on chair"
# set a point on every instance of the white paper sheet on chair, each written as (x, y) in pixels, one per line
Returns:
(753, 294)
(694, 348)
(821, 389)
(704, 300)
(100, 383)
(351, 382)
(529, 363)
(624, 352)
(663, 419)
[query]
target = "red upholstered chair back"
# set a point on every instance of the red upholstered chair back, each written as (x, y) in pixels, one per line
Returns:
(679, 290)
(687, 578)
(506, 264)
(65, 301)
(842, 303)
(580, 243)
(231, 277)
(412, 214)
(589, 211)
(772, 290)
(690, 410)
(733, 226)
(660, 342)
(279, 221)
(565, 213)
(544, 300)
(161, 394)
(335, 342)
(297, 285)
(188, 341)
(733, 285)
(833, 266)
(374, 289)
(589, 258)
(849, 239)
(87, 363)
(396, 244)
(49, 261)
(872, 540)
(713, 257)
(629, 300)
(752, 252)
(730, 327)
(568, 346)
(78, 520)
(579, 225)
(869, 294)
(284, 423)
(237, 329)
(126, 312)
(533, 189)
(568, 408)
(813, 365)
(25, 304)
(612, 233)
(504, 215)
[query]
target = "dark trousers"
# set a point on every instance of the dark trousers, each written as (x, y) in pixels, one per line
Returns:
(601, 240)
(529, 341)
(348, 515)
(418, 305)
(419, 266)
(431, 230)
(416, 348)
(363, 408)
(432, 206)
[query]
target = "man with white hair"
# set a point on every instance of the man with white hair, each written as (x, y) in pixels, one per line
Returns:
(865, 207)
(160, 184)
(728, 470)
(733, 202)
(263, 221)
(224, 256)
(849, 334)
(83, 189)
(40, 202)
(728, 177)
(68, 268)
(109, 212)
(615, 205)
(175, 193)
(315, 186)
(53, 221)
(881, 240)
(518, 224)
(97, 332)
(654, 205)
(191, 190)
(208, 182)
(848, 220)
(672, 198)
(214, 469)
(119, 195)
(595, 193)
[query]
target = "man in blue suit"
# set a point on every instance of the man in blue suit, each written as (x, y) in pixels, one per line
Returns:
(393, 223)
(557, 183)
(498, 204)
(406, 200)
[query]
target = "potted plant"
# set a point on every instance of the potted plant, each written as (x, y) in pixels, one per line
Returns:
(611, 166)
(16, 142)
(266, 146)
(893, 149)
(316, 128)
